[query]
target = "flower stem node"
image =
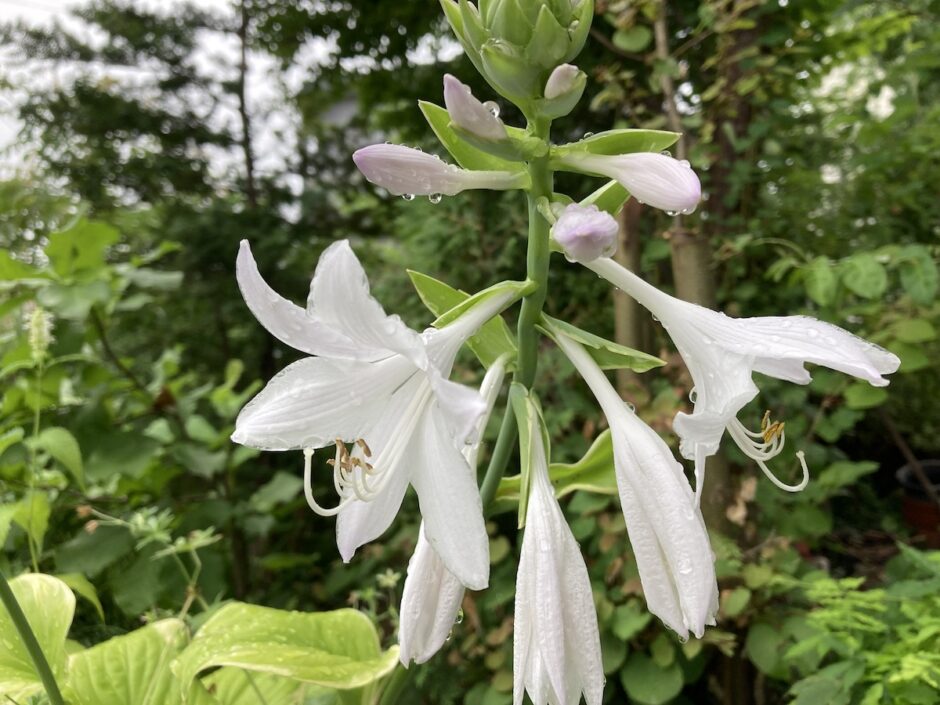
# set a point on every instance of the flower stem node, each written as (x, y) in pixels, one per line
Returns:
(585, 233)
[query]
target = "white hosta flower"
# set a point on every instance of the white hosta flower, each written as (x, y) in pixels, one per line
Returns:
(382, 387)
(563, 79)
(665, 526)
(722, 354)
(404, 171)
(556, 644)
(431, 599)
(470, 114)
(655, 179)
(586, 233)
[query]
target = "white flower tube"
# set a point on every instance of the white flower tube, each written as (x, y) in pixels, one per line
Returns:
(470, 114)
(669, 539)
(404, 171)
(655, 179)
(722, 354)
(563, 79)
(383, 388)
(431, 599)
(556, 643)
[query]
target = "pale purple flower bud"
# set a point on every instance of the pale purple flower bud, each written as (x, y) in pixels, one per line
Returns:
(470, 114)
(563, 79)
(655, 179)
(586, 233)
(405, 171)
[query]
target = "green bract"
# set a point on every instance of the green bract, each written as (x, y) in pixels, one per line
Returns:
(516, 44)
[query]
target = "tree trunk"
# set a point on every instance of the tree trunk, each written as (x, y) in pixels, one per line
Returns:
(628, 314)
(251, 191)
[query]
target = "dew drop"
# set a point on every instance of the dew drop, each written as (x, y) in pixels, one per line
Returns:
(685, 566)
(685, 163)
(408, 196)
(459, 619)
(666, 153)
(492, 107)
(693, 395)
(436, 198)
(631, 407)
(588, 135)
(672, 214)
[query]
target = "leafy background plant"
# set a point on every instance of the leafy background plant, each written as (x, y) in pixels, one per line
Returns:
(814, 127)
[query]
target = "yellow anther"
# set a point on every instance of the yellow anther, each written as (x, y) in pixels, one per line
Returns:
(365, 447)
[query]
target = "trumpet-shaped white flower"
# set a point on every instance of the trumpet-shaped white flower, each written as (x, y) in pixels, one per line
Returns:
(556, 643)
(382, 387)
(470, 114)
(586, 233)
(654, 179)
(722, 354)
(665, 526)
(404, 171)
(431, 599)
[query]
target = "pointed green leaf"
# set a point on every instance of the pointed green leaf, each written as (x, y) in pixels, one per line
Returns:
(606, 353)
(864, 275)
(592, 473)
(48, 604)
(337, 649)
(615, 142)
(609, 197)
(549, 43)
(820, 281)
(510, 23)
(467, 156)
(11, 438)
(62, 446)
(82, 587)
(492, 341)
(129, 670)
(919, 275)
(80, 249)
(32, 514)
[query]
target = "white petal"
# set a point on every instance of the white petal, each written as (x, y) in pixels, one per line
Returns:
(655, 179)
(556, 642)
(430, 604)
(360, 522)
(469, 113)
(450, 502)
(799, 339)
(316, 400)
(403, 170)
(461, 407)
(340, 299)
(285, 320)
(657, 502)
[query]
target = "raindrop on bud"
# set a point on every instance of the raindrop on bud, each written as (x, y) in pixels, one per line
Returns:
(492, 107)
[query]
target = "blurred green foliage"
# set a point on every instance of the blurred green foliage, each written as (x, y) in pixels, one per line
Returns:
(814, 125)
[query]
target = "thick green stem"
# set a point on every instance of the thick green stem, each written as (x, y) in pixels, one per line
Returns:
(396, 685)
(505, 442)
(29, 640)
(537, 262)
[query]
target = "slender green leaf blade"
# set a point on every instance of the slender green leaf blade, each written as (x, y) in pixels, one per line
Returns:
(606, 353)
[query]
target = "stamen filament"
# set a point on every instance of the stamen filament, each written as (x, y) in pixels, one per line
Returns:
(761, 452)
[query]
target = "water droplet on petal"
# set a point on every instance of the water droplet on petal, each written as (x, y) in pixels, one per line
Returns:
(459, 619)
(436, 198)
(666, 153)
(588, 135)
(493, 107)
(685, 163)
(672, 214)
(631, 407)
(408, 196)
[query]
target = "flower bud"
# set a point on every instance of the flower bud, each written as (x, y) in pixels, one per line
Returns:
(38, 323)
(563, 80)
(410, 172)
(586, 233)
(655, 179)
(470, 114)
